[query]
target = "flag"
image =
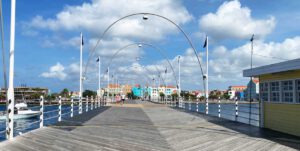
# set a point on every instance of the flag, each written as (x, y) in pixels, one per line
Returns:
(82, 43)
(205, 43)
(252, 38)
(166, 70)
(98, 59)
(178, 59)
(107, 70)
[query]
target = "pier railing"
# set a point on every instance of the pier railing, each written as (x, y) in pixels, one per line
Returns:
(235, 110)
(51, 114)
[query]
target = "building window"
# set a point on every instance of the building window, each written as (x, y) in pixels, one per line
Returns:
(264, 89)
(275, 90)
(298, 91)
(287, 91)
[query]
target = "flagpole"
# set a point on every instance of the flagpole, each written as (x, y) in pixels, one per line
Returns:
(99, 78)
(251, 65)
(80, 74)
(107, 83)
(10, 91)
(206, 85)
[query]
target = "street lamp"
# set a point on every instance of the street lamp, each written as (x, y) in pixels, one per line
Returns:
(145, 17)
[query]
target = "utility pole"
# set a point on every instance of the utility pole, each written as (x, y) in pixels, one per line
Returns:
(206, 76)
(10, 91)
(107, 83)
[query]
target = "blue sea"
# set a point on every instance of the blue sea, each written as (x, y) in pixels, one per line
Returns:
(23, 125)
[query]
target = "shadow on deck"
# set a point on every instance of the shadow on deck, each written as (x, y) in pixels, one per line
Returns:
(249, 130)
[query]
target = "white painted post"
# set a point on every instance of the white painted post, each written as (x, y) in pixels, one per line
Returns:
(236, 109)
(87, 104)
(99, 101)
(10, 91)
(41, 111)
(219, 107)
(59, 109)
(80, 105)
(190, 105)
(197, 107)
(72, 107)
(92, 102)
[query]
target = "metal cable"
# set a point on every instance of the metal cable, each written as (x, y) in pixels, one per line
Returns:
(51, 118)
(51, 111)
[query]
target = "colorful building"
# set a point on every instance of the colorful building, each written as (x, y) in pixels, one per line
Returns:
(253, 87)
(236, 92)
(279, 95)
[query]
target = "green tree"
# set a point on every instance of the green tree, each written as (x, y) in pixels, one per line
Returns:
(174, 96)
(162, 95)
(89, 93)
(65, 93)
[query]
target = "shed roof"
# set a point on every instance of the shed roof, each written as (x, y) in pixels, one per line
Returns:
(273, 68)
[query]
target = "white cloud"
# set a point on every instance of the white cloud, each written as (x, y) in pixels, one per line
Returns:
(230, 63)
(97, 15)
(57, 71)
(234, 21)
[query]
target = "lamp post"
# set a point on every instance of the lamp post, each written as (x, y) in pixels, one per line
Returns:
(80, 75)
(99, 76)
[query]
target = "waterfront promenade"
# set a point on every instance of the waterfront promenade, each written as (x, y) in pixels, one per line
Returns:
(139, 125)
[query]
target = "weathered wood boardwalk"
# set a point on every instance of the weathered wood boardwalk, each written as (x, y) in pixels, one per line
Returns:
(147, 126)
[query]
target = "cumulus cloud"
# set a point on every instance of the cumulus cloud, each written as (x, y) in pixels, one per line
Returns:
(95, 16)
(229, 64)
(57, 71)
(234, 21)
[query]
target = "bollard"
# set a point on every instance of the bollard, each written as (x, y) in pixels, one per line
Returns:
(72, 107)
(59, 108)
(87, 104)
(236, 109)
(219, 107)
(41, 111)
(80, 105)
(92, 102)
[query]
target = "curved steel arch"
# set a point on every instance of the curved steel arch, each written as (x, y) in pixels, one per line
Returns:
(152, 14)
(150, 45)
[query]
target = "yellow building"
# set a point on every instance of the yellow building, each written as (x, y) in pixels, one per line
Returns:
(279, 95)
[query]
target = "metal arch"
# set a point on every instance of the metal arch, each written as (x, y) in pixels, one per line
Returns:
(135, 14)
(150, 45)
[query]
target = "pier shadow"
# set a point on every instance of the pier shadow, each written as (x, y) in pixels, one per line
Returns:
(69, 124)
(249, 130)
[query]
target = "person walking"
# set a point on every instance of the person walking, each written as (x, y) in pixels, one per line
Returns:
(123, 98)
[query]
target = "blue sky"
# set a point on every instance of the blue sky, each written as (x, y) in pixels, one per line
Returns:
(47, 39)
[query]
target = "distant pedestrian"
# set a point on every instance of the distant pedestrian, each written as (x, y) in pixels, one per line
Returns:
(123, 98)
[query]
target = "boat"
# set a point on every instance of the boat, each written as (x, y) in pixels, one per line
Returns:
(21, 111)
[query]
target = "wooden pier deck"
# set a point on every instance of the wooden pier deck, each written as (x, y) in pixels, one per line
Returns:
(139, 125)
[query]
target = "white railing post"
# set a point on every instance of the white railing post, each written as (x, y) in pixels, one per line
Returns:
(219, 107)
(41, 111)
(236, 109)
(80, 105)
(92, 102)
(99, 98)
(59, 108)
(87, 104)
(190, 105)
(72, 107)
(197, 106)
(206, 106)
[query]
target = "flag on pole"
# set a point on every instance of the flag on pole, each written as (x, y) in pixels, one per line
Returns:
(252, 38)
(98, 59)
(166, 70)
(107, 70)
(82, 43)
(205, 43)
